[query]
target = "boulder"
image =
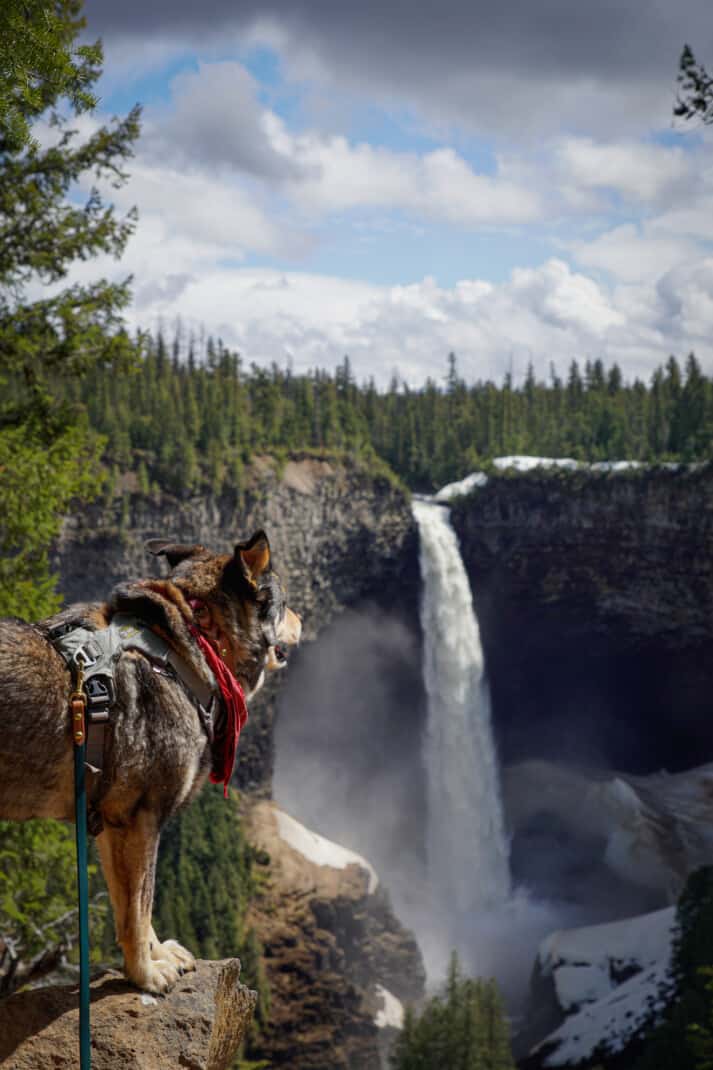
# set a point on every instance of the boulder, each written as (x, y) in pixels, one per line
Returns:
(199, 1025)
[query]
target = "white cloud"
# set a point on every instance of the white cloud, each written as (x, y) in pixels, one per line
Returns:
(636, 171)
(213, 215)
(439, 184)
(216, 119)
(543, 314)
(634, 254)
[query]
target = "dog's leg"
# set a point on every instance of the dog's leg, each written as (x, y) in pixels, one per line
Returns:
(128, 855)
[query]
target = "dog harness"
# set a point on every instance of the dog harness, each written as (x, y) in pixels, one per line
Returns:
(93, 655)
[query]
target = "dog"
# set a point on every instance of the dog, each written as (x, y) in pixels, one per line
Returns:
(158, 749)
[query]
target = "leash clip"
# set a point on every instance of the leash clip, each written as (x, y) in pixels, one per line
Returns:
(78, 708)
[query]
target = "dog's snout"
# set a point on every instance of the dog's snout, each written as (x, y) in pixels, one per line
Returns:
(292, 627)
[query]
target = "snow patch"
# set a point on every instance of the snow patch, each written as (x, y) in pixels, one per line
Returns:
(526, 463)
(640, 941)
(391, 1014)
(320, 850)
(463, 486)
(613, 1021)
(616, 466)
(585, 965)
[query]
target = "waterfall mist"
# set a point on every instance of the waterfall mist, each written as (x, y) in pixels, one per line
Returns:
(348, 744)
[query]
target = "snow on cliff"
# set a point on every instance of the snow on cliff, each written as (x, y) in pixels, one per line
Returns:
(392, 1011)
(462, 487)
(525, 463)
(612, 980)
(321, 851)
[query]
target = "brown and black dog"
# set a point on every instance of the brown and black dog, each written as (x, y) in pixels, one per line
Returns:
(157, 753)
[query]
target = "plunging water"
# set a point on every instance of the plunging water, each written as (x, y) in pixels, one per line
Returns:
(466, 845)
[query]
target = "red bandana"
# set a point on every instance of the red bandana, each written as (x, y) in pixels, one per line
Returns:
(235, 706)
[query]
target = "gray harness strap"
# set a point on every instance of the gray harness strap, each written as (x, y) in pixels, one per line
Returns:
(96, 653)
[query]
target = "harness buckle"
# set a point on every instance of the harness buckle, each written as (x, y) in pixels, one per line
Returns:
(86, 655)
(101, 695)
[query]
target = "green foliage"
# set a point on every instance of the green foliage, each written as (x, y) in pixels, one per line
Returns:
(685, 1037)
(37, 480)
(47, 450)
(203, 886)
(38, 892)
(465, 1028)
(694, 99)
(37, 879)
(41, 63)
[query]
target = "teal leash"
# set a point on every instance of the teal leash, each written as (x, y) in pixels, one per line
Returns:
(78, 705)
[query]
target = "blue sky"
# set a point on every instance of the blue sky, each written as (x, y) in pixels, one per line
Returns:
(508, 183)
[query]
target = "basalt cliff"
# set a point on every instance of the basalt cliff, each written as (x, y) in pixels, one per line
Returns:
(594, 592)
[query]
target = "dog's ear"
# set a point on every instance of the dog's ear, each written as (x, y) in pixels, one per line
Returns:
(174, 552)
(253, 556)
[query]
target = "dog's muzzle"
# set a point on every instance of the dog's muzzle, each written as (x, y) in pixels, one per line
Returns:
(288, 634)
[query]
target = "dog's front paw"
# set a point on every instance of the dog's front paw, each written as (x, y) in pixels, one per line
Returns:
(172, 951)
(155, 975)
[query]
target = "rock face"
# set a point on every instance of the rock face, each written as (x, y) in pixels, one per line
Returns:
(199, 1024)
(332, 946)
(650, 832)
(594, 593)
(338, 535)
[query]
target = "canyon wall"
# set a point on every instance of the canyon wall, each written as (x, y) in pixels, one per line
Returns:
(594, 593)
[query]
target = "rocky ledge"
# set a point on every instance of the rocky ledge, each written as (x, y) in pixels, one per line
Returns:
(200, 1024)
(338, 962)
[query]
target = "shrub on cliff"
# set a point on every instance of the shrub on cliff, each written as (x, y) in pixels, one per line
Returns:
(465, 1028)
(204, 882)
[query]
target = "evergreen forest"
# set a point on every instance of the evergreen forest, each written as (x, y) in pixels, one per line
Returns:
(187, 416)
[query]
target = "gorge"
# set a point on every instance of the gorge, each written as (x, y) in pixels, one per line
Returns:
(593, 593)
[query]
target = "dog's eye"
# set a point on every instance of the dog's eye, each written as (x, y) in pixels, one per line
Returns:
(263, 598)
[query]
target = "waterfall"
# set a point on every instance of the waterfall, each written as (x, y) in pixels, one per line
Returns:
(467, 851)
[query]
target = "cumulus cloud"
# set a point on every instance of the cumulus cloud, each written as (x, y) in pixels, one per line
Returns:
(635, 171)
(635, 253)
(215, 119)
(438, 184)
(550, 313)
(520, 67)
(221, 180)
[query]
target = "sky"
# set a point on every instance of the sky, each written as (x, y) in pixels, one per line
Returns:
(395, 181)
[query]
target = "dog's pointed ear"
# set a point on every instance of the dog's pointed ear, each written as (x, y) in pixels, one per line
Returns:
(174, 552)
(253, 556)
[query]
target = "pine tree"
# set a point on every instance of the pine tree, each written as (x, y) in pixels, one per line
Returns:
(47, 453)
(465, 1028)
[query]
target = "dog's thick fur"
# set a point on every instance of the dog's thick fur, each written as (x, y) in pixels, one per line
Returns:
(157, 754)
